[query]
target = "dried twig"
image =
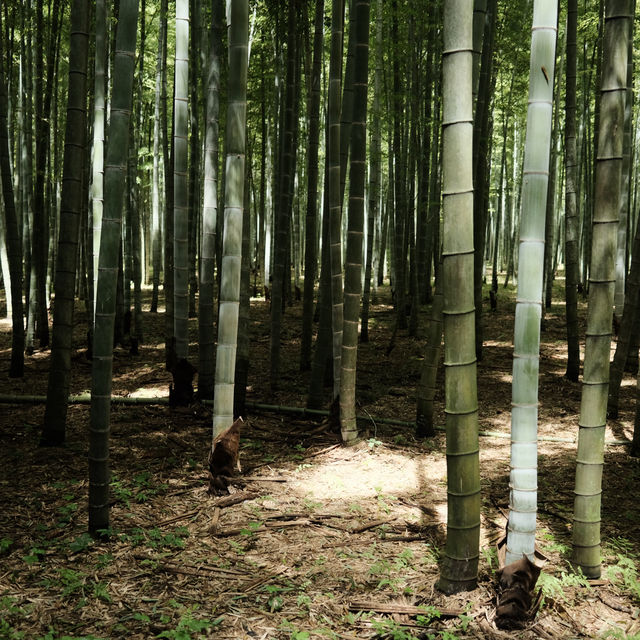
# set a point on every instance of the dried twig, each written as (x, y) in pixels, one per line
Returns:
(182, 516)
(371, 525)
(235, 498)
(406, 609)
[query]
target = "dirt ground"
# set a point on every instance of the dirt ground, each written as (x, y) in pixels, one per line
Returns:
(322, 541)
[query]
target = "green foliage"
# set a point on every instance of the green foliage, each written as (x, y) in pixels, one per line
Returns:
(392, 575)
(556, 588)
(120, 492)
(297, 634)
(7, 632)
(251, 529)
(383, 500)
(490, 556)
(624, 574)
(618, 634)
(81, 543)
(5, 544)
(155, 538)
(392, 630)
(189, 627)
(35, 555)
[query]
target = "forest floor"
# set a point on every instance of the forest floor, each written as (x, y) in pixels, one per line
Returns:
(324, 541)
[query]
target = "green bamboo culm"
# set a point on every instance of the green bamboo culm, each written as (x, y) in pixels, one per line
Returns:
(114, 184)
(97, 154)
(238, 25)
(355, 230)
(180, 184)
(12, 238)
(595, 384)
(206, 333)
(55, 417)
(526, 355)
(459, 569)
(333, 186)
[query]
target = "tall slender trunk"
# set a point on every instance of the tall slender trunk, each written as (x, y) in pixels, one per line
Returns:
(481, 167)
(353, 262)
(16, 368)
(206, 342)
(374, 175)
(114, 182)
(460, 566)
(621, 253)
(571, 200)
(97, 154)
(156, 227)
(590, 457)
(235, 137)
(180, 184)
(286, 176)
(55, 417)
(311, 252)
(333, 187)
(526, 352)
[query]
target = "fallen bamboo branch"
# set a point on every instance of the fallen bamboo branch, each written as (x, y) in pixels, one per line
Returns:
(182, 516)
(85, 398)
(254, 478)
(235, 498)
(406, 609)
(371, 525)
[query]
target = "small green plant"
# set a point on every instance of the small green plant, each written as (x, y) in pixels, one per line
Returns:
(304, 601)
(275, 602)
(101, 591)
(120, 492)
(104, 560)
(250, 530)
(430, 613)
(490, 556)
(5, 544)
(551, 545)
(81, 543)
(188, 625)
(556, 588)
(311, 505)
(7, 632)
(67, 510)
(35, 555)
(624, 574)
(71, 581)
(383, 499)
(392, 630)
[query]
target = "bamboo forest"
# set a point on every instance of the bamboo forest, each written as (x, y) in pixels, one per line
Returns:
(319, 319)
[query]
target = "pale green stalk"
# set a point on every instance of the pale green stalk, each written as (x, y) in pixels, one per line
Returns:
(523, 481)
(180, 184)
(238, 25)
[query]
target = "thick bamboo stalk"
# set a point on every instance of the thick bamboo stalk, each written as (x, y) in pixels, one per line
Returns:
(115, 169)
(460, 567)
(238, 25)
(593, 406)
(526, 357)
